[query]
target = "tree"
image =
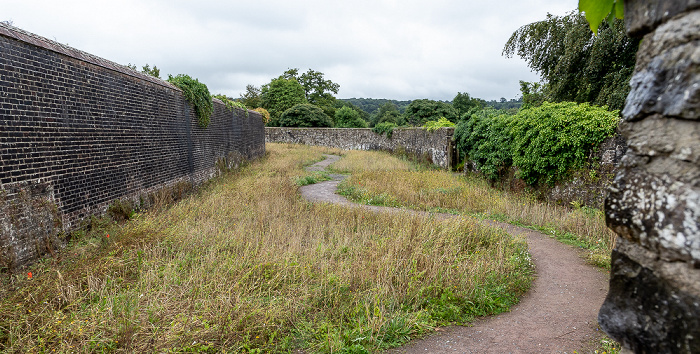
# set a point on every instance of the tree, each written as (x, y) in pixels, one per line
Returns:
(146, 69)
(421, 111)
(574, 64)
(533, 95)
(252, 98)
(463, 103)
(280, 95)
(387, 113)
(317, 90)
(154, 71)
(346, 117)
(305, 115)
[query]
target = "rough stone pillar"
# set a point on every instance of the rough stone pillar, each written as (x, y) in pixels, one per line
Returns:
(654, 301)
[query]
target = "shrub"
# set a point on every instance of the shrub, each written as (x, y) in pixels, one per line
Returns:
(385, 127)
(545, 143)
(265, 114)
(305, 115)
(551, 140)
(197, 94)
(347, 117)
(433, 125)
(486, 140)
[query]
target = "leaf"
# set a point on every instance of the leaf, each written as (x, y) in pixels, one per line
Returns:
(596, 11)
(619, 9)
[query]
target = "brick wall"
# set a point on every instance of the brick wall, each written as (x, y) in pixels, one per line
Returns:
(437, 146)
(78, 132)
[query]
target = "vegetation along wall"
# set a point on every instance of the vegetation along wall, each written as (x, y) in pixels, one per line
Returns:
(436, 146)
(653, 305)
(78, 132)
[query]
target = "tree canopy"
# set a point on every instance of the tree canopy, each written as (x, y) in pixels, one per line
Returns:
(347, 117)
(575, 64)
(305, 115)
(421, 111)
(280, 95)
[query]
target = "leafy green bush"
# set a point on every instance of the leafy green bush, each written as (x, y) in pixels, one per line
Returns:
(384, 127)
(197, 94)
(433, 125)
(305, 115)
(554, 138)
(545, 143)
(486, 140)
(347, 117)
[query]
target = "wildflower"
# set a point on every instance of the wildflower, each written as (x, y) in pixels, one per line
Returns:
(29, 275)
(107, 235)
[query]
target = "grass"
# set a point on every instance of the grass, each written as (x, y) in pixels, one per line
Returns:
(395, 184)
(245, 265)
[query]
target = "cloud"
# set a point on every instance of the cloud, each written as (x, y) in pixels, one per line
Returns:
(380, 49)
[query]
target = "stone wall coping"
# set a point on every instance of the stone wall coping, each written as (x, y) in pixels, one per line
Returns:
(42, 42)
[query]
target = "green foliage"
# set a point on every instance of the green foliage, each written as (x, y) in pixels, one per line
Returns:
(280, 95)
(231, 104)
(197, 94)
(387, 113)
(312, 178)
(485, 139)
(384, 127)
(421, 111)
(305, 115)
(463, 103)
(574, 64)
(346, 117)
(154, 71)
(265, 114)
(533, 94)
(146, 69)
(598, 10)
(433, 125)
(317, 90)
(371, 105)
(554, 138)
(545, 143)
(252, 98)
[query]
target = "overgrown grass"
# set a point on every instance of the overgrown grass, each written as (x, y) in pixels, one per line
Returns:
(245, 265)
(441, 191)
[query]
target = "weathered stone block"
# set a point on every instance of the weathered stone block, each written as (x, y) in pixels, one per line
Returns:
(652, 306)
(642, 16)
(669, 85)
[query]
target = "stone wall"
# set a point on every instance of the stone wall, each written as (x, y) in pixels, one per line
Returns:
(78, 132)
(654, 301)
(437, 146)
(589, 186)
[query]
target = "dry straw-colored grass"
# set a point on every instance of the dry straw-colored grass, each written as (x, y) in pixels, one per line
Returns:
(443, 191)
(246, 265)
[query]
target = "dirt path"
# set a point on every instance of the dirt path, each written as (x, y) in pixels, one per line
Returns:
(557, 315)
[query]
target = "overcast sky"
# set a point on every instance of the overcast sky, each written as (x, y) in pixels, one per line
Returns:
(374, 49)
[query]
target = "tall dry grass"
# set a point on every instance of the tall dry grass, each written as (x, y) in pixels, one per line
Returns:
(245, 265)
(444, 191)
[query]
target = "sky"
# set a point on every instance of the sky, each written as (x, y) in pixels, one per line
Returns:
(392, 49)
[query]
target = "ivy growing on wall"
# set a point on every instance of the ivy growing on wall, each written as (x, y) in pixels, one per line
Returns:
(544, 143)
(231, 104)
(197, 94)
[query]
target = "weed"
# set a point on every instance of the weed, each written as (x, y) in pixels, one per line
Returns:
(436, 190)
(245, 265)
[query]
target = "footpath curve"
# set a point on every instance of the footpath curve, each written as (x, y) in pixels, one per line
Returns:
(558, 314)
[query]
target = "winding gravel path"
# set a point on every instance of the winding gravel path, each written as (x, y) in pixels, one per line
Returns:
(557, 315)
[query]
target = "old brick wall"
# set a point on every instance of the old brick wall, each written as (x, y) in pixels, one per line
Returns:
(437, 146)
(653, 305)
(78, 132)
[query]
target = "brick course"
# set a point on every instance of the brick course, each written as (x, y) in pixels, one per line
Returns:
(90, 131)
